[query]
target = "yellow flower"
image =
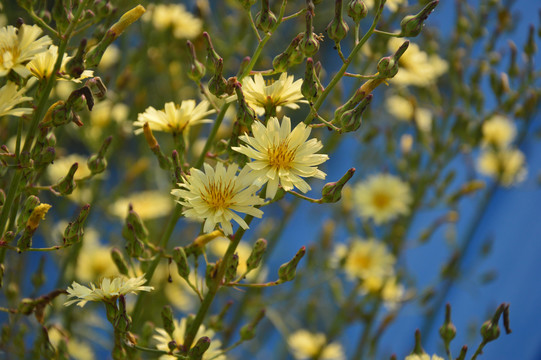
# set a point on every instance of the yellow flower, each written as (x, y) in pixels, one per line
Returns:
(282, 156)
(270, 98)
(388, 288)
(176, 119)
(147, 204)
(163, 339)
(415, 66)
(61, 166)
(175, 16)
(11, 97)
(403, 109)
(498, 131)
(423, 357)
(108, 290)
(42, 65)
(214, 196)
(94, 260)
(18, 46)
(506, 165)
(382, 197)
(77, 350)
(306, 345)
(368, 259)
(392, 5)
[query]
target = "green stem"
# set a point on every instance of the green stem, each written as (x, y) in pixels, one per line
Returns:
(479, 350)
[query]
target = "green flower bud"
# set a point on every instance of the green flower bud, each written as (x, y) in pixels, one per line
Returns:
(309, 44)
(217, 84)
(167, 319)
(247, 332)
(490, 331)
(530, 48)
(180, 258)
(282, 61)
(67, 184)
(245, 114)
(74, 231)
(200, 347)
(29, 205)
(388, 66)
(256, 255)
(337, 29)
(97, 162)
(231, 270)
(412, 25)
(265, 19)
(310, 87)
(197, 69)
(357, 10)
(119, 261)
(447, 330)
(287, 271)
(351, 120)
(332, 192)
(210, 274)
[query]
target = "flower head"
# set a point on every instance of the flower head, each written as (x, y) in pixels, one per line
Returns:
(392, 5)
(108, 290)
(382, 197)
(176, 119)
(422, 357)
(415, 66)
(11, 97)
(306, 345)
(215, 196)
(404, 109)
(368, 259)
(163, 339)
(270, 98)
(147, 204)
(176, 17)
(42, 65)
(498, 131)
(18, 46)
(506, 165)
(281, 156)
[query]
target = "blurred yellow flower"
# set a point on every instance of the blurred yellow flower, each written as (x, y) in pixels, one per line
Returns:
(216, 195)
(42, 65)
(77, 350)
(149, 204)
(382, 197)
(94, 260)
(18, 46)
(282, 156)
(60, 167)
(269, 98)
(176, 17)
(163, 339)
(218, 247)
(176, 119)
(110, 57)
(388, 288)
(392, 5)
(506, 165)
(423, 357)
(306, 345)
(498, 131)
(108, 290)
(10, 97)
(415, 66)
(368, 259)
(404, 109)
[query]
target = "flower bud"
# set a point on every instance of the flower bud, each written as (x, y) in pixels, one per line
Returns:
(256, 255)
(197, 69)
(282, 61)
(463, 351)
(265, 19)
(180, 258)
(167, 319)
(490, 331)
(74, 231)
(164, 162)
(310, 87)
(217, 84)
(135, 220)
(97, 162)
(530, 48)
(309, 45)
(247, 332)
(210, 274)
(287, 271)
(231, 270)
(447, 330)
(388, 66)
(337, 29)
(200, 347)
(29, 205)
(332, 192)
(135, 246)
(412, 25)
(245, 114)
(351, 120)
(75, 66)
(67, 184)
(357, 10)
(119, 261)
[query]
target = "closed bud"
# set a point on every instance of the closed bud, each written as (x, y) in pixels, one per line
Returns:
(67, 184)
(180, 258)
(357, 10)
(210, 273)
(245, 114)
(412, 25)
(75, 66)
(29, 205)
(231, 270)
(351, 120)
(337, 29)
(247, 332)
(97, 162)
(119, 261)
(212, 55)
(167, 319)
(74, 231)
(418, 349)
(490, 331)
(136, 222)
(200, 347)
(310, 87)
(463, 351)
(349, 105)
(447, 330)
(388, 66)
(287, 271)
(332, 192)
(197, 69)
(256, 255)
(282, 61)
(217, 84)
(309, 45)
(265, 19)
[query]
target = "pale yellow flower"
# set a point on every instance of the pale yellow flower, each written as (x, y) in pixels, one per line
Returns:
(498, 131)
(306, 345)
(387, 287)
(149, 204)
(392, 5)
(18, 46)
(94, 260)
(382, 197)
(108, 290)
(42, 65)
(77, 350)
(60, 167)
(415, 66)
(423, 357)
(216, 195)
(404, 109)
(282, 156)
(368, 259)
(163, 339)
(110, 57)
(176, 119)
(270, 98)
(506, 165)
(10, 97)
(176, 17)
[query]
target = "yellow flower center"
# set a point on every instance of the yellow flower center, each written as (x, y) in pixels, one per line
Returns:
(381, 200)
(218, 196)
(362, 261)
(281, 156)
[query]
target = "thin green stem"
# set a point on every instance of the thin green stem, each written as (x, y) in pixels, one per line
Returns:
(252, 23)
(479, 350)
(387, 33)
(43, 24)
